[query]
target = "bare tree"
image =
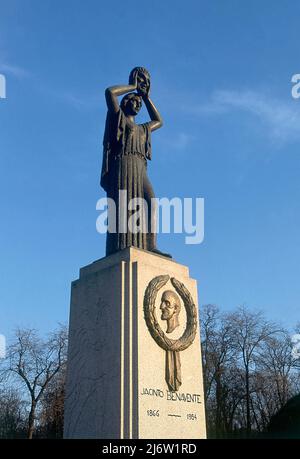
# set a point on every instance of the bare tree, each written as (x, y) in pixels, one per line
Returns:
(217, 354)
(249, 371)
(276, 361)
(250, 330)
(12, 413)
(51, 417)
(35, 362)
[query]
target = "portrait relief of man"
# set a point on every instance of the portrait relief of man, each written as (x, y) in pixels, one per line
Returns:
(170, 309)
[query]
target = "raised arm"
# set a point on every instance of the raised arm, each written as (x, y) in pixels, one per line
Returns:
(156, 120)
(112, 93)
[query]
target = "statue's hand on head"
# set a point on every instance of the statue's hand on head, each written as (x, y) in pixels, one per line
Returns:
(141, 77)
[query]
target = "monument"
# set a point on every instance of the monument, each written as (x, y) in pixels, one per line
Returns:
(134, 365)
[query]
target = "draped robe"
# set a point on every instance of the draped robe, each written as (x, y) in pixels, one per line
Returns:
(126, 149)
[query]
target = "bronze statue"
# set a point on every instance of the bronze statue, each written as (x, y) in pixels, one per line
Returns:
(127, 148)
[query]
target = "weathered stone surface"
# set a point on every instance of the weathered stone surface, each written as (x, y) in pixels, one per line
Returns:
(116, 382)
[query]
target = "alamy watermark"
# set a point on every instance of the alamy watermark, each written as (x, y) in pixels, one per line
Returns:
(2, 86)
(296, 88)
(176, 215)
(2, 346)
(296, 346)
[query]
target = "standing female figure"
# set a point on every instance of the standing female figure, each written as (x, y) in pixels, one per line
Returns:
(127, 148)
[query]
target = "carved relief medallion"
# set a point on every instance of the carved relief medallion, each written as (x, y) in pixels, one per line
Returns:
(170, 308)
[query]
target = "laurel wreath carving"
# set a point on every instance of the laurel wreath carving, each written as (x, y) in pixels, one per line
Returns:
(150, 315)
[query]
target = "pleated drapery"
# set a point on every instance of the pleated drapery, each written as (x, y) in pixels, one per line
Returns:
(127, 146)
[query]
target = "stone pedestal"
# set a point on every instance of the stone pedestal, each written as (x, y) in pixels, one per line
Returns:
(120, 373)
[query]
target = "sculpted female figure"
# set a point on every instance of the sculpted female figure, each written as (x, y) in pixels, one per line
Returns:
(127, 148)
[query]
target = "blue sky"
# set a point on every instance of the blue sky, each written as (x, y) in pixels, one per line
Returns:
(221, 77)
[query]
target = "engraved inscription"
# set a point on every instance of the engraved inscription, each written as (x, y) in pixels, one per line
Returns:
(172, 396)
